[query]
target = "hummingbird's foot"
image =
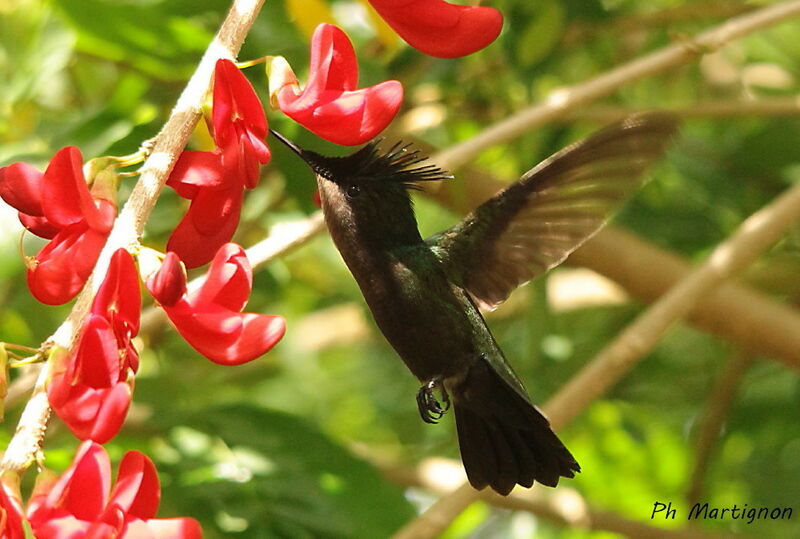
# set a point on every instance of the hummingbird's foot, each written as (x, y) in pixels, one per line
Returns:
(430, 409)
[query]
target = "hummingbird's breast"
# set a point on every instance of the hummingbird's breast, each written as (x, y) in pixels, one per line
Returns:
(430, 322)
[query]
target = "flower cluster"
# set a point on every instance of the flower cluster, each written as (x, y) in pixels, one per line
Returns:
(82, 503)
(90, 389)
(331, 105)
(215, 181)
(60, 206)
(210, 317)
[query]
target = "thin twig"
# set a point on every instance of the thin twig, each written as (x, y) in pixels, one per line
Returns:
(282, 239)
(129, 225)
(564, 506)
(736, 312)
(565, 100)
(713, 420)
(781, 107)
(691, 12)
(758, 232)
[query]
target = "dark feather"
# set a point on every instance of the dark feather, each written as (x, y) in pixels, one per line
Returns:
(535, 223)
(503, 438)
(370, 164)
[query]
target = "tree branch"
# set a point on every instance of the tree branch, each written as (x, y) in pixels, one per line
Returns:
(565, 506)
(283, 238)
(758, 232)
(736, 312)
(692, 12)
(129, 225)
(710, 425)
(565, 100)
(783, 106)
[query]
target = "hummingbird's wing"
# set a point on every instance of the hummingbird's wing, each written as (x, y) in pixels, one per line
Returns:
(535, 223)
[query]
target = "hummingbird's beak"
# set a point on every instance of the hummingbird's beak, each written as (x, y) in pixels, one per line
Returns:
(314, 160)
(291, 145)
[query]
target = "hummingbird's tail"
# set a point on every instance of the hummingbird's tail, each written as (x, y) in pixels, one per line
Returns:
(503, 438)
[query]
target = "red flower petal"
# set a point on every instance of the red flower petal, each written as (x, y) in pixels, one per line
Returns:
(61, 527)
(175, 528)
(65, 194)
(168, 284)
(80, 491)
(10, 511)
(94, 414)
(240, 125)
(330, 105)
(235, 102)
(228, 282)
(119, 292)
(137, 490)
(240, 161)
(75, 506)
(38, 225)
(210, 222)
(194, 170)
(96, 362)
(441, 29)
(210, 319)
(65, 263)
(21, 187)
(227, 337)
(111, 413)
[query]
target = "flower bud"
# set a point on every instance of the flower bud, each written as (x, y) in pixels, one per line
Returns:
(168, 284)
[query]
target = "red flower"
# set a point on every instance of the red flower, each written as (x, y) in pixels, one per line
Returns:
(10, 508)
(441, 29)
(91, 389)
(215, 181)
(210, 317)
(240, 125)
(78, 504)
(57, 205)
(331, 105)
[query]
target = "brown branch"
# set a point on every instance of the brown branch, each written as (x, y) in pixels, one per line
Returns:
(564, 506)
(692, 12)
(129, 225)
(283, 238)
(781, 107)
(565, 100)
(713, 420)
(758, 232)
(736, 312)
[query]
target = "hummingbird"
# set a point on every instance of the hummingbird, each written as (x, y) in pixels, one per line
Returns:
(425, 295)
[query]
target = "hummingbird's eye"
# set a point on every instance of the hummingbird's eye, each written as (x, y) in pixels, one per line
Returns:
(352, 191)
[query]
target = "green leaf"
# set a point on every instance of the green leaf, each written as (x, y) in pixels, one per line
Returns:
(541, 34)
(260, 473)
(153, 42)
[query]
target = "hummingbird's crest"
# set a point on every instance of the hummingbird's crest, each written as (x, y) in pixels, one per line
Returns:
(397, 164)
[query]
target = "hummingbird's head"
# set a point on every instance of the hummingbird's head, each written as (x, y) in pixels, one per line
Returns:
(369, 188)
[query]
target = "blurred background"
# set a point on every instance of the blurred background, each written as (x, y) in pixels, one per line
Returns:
(321, 437)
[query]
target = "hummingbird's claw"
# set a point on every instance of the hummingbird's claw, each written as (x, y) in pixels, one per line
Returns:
(430, 409)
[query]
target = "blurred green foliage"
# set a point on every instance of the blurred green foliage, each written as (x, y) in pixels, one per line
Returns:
(264, 450)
